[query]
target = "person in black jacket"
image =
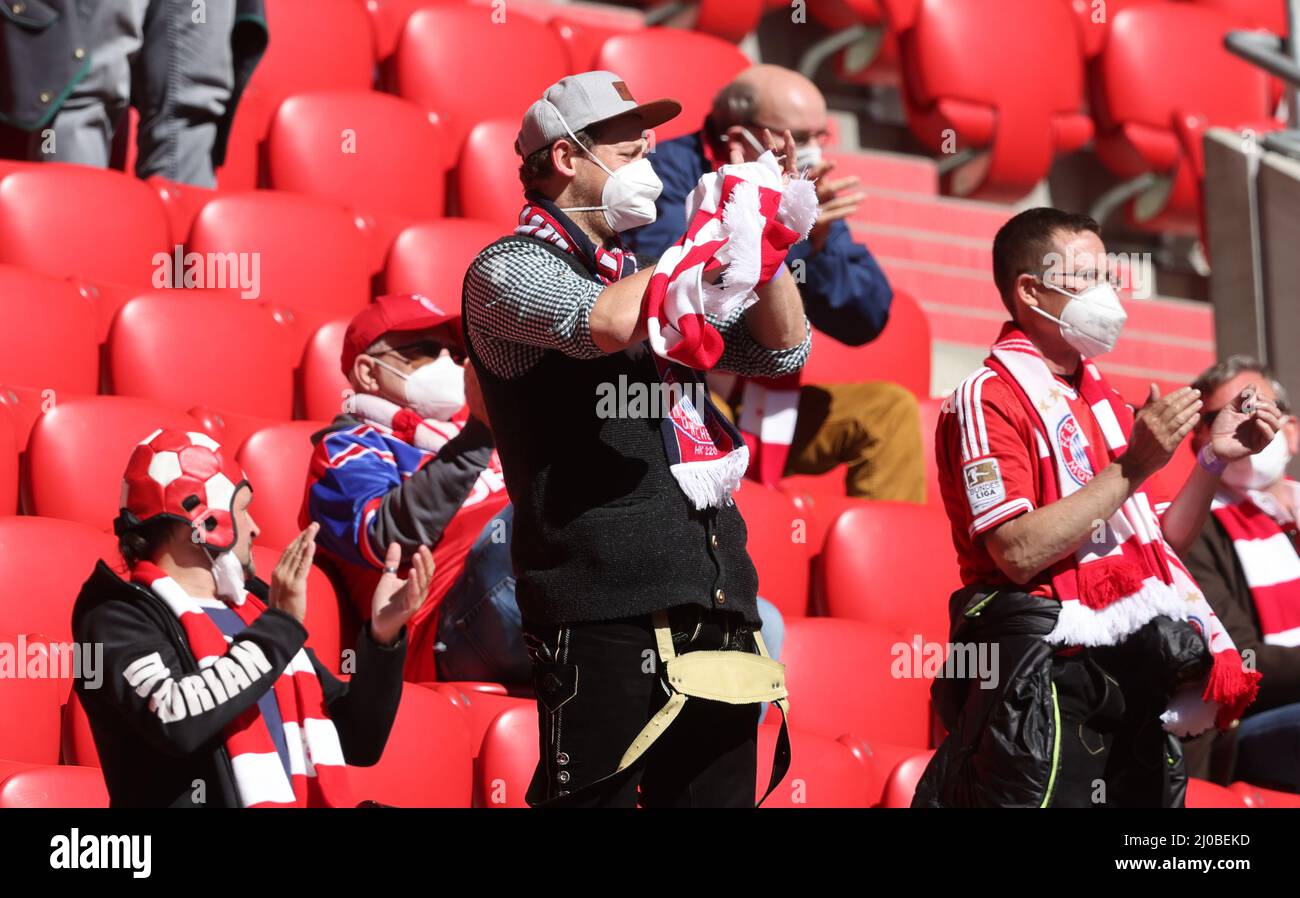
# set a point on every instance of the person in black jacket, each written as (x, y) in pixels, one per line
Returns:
(176, 721)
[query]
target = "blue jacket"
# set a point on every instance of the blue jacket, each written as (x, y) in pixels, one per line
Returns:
(845, 294)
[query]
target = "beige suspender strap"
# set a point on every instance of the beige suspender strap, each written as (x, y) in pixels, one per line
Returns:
(668, 713)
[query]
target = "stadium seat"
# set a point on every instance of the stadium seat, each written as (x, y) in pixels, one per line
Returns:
(182, 203)
(930, 409)
(480, 703)
(330, 623)
(378, 155)
(841, 680)
(703, 65)
(778, 534)
(903, 780)
(1094, 20)
(1264, 15)
(823, 773)
(55, 348)
(322, 386)
(892, 565)
(964, 92)
(487, 188)
(310, 256)
(54, 787)
(76, 738)
(8, 460)
(871, 54)
(1157, 129)
(109, 238)
(1204, 794)
(428, 761)
(314, 45)
(507, 759)
(900, 354)
(432, 257)
(79, 449)
(275, 459)
(1259, 797)
(585, 30)
(197, 347)
(29, 705)
(65, 552)
(449, 59)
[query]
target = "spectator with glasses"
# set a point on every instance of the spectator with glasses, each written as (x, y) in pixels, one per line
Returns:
(872, 428)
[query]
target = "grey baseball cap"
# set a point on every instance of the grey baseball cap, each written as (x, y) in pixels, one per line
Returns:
(584, 100)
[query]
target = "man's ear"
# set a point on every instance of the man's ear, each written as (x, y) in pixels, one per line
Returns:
(364, 376)
(1291, 427)
(563, 155)
(1025, 291)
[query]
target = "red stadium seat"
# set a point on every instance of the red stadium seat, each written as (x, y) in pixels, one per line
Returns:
(1157, 128)
(56, 347)
(275, 460)
(823, 773)
(1259, 797)
(866, 563)
(29, 704)
(54, 787)
(1265, 15)
(79, 449)
(841, 680)
(871, 58)
(702, 65)
(428, 761)
(507, 759)
(1204, 794)
(76, 737)
(584, 31)
(778, 534)
(432, 257)
(903, 780)
(380, 156)
(480, 703)
(728, 19)
(486, 186)
(322, 386)
(1094, 20)
(8, 460)
(188, 347)
(110, 236)
(311, 257)
(930, 409)
(182, 203)
(331, 624)
(900, 354)
(964, 91)
(449, 60)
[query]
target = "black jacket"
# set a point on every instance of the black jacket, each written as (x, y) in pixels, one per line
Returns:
(184, 763)
(1003, 747)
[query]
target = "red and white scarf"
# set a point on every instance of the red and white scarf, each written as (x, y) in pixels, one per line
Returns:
(319, 775)
(744, 220)
(706, 454)
(1253, 521)
(1125, 574)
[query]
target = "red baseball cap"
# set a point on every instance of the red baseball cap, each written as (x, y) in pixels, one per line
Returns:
(398, 313)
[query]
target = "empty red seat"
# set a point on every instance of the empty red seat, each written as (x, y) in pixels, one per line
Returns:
(65, 552)
(964, 91)
(1266, 15)
(778, 534)
(79, 449)
(871, 54)
(196, 347)
(432, 257)
(898, 584)
(76, 737)
(903, 780)
(507, 759)
(487, 187)
(823, 772)
(386, 161)
(111, 236)
(182, 203)
(1259, 797)
(841, 677)
(1094, 20)
(55, 348)
(428, 761)
(1153, 105)
(480, 703)
(584, 30)
(275, 460)
(309, 254)
(1204, 794)
(449, 59)
(930, 410)
(900, 354)
(681, 65)
(54, 787)
(322, 384)
(8, 460)
(330, 623)
(29, 702)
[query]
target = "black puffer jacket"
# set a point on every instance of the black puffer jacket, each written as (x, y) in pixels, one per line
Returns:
(1023, 742)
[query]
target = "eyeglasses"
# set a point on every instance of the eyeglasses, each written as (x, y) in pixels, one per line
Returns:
(428, 349)
(1078, 282)
(801, 138)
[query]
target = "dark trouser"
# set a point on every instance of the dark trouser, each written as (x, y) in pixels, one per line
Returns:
(598, 683)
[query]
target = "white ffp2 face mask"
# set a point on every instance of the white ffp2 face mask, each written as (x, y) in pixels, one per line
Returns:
(628, 197)
(436, 390)
(1091, 321)
(228, 572)
(1261, 470)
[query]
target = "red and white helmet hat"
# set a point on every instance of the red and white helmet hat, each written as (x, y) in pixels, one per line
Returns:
(183, 476)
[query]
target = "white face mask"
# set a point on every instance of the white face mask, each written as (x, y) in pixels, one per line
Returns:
(228, 573)
(1261, 470)
(1091, 321)
(436, 390)
(628, 197)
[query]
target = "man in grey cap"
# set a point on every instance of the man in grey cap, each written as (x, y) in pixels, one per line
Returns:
(617, 569)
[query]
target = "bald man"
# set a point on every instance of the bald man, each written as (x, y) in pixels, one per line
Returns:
(872, 428)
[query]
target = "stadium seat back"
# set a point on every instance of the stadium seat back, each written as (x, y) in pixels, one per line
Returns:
(275, 459)
(903, 780)
(54, 787)
(199, 347)
(433, 256)
(8, 460)
(50, 341)
(1268, 15)
(823, 773)
(486, 188)
(76, 737)
(778, 545)
(1205, 794)
(29, 702)
(328, 622)
(507, 759)
(322, 384)
(900, 354)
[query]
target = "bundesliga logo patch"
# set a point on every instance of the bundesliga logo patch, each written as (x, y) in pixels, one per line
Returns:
(984, 487)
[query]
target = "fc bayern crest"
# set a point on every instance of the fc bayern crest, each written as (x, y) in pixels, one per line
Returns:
(1070, 439)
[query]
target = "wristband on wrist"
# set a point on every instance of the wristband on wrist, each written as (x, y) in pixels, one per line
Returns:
(1210, 462)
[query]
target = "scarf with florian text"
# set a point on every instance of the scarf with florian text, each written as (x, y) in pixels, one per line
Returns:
(1126, 574)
